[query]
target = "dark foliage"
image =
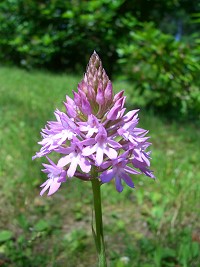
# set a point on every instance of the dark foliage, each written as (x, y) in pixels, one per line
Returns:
(57, 34)
(60, 35)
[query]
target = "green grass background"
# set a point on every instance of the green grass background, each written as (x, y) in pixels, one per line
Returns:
(156, 224)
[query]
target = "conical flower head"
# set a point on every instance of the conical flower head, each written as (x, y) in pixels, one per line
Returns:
(95, 75)
(96, 87)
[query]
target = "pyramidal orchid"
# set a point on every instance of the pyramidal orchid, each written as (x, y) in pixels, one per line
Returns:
(96, 141)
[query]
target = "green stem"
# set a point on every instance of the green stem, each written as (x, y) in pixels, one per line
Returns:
(99, 238)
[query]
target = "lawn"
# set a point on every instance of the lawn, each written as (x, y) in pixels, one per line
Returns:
(156, 224)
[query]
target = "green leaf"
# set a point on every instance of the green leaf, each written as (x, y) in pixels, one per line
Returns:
(69, 14)
(41, 225)
(5, 235)
(22, 221)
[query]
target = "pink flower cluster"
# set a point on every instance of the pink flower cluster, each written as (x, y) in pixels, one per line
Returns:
(94, 132)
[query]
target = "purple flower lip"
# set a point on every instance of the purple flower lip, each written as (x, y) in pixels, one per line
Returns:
(120, 171)
(95, 133)
(55, 175)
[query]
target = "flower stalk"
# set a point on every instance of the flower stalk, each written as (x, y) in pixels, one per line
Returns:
(98, 234)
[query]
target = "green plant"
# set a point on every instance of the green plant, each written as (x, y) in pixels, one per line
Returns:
(164, 71)
(57, 34)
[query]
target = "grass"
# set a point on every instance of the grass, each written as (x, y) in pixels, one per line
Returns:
(156, 224)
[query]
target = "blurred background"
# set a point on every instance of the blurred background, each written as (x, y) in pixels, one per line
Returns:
(149, 48)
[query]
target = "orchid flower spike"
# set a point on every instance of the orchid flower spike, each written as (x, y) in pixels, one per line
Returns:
(95, 132)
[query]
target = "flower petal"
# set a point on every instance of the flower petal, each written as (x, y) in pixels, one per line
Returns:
(127, 179)
(54, 186)
(110, 152)
(99, 156)
(72, 167)
(112, 114)
(46, 185)
(118, 184)
(89, 150)
(114, 144)
(129, 115)
(130, 170)
(64, 161)
(107, 176)
(84, 165)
